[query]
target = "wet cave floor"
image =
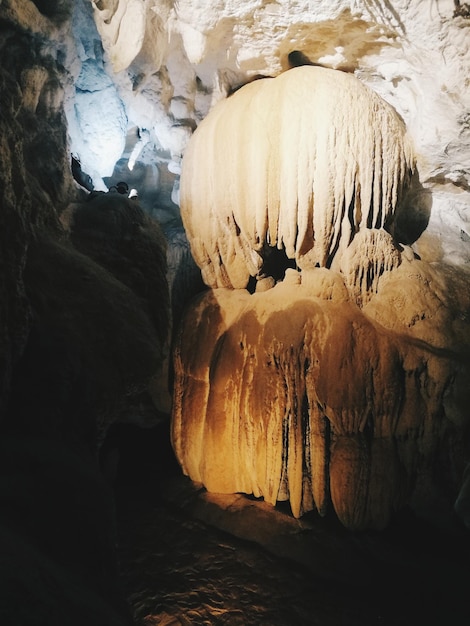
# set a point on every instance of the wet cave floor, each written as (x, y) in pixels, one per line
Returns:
(192, 558)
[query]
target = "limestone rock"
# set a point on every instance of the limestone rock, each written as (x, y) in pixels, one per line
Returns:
(116, 233)
(342, 386)
(92, 347)
(315, 158)
(119, 236)
(154, 70)
(174, 65)
(76, 345)
(96, 116)
(34, 165)
(291, 396)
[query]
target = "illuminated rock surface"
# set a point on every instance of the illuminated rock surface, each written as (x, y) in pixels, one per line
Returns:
(288, 394)
(301, 392)
(310, 159)
(186, 56)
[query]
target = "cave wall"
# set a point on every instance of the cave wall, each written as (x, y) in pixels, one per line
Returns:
(33, 124)
(81, 339)
(172, 62)
(43, 218)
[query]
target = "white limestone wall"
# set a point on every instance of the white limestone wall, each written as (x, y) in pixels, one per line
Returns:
(173, 60)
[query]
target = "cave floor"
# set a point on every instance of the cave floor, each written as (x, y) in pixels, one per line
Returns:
(192, 558)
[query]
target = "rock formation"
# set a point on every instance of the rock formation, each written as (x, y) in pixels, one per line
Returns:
(297, 394)
(38, 187)
(184, 57)
(345, 386)
(313, 158)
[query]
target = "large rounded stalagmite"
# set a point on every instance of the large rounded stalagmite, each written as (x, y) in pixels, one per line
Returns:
(341, 387)
(301, 163)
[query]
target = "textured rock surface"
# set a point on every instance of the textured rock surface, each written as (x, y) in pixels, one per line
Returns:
(47, 70)
(321, 405)
(38, 61)
(116, 233)
(295, 394)
(175, 64)
(96, 115)
(32, 123)
(77, 345)
(315, 158)
(399, 409)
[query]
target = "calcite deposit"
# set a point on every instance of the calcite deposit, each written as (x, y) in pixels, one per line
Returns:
(172, 67)
(311, 158)
(297, 394)
(343, 385)
(337, 381)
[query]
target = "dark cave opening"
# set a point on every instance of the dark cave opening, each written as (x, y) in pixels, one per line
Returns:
(276, 262)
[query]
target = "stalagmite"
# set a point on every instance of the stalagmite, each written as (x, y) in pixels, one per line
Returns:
(291, 396)
(338, 380)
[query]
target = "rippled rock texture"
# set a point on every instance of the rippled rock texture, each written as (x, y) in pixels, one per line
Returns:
(300, 163)
(173, 61)
(288, 395)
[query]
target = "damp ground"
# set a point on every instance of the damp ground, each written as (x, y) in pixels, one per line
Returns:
(192, 558)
